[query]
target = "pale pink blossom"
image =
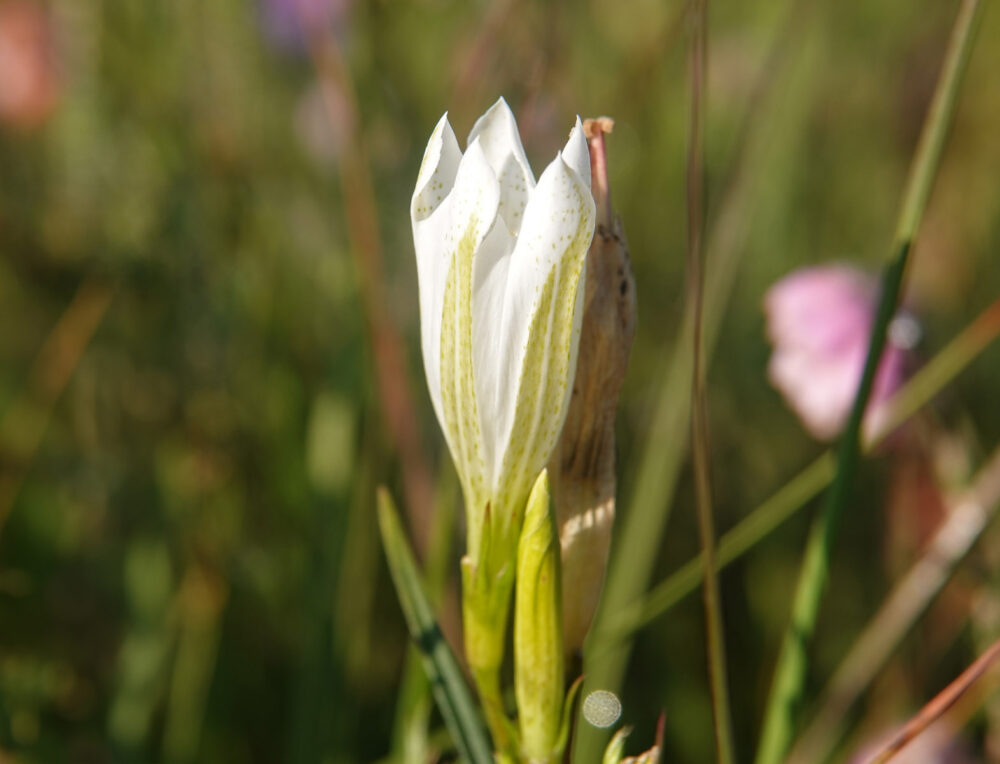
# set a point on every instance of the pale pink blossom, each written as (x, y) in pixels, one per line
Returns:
(819, 320)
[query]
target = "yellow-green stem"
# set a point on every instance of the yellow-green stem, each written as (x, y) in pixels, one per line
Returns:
(487, 679)
(486, 599)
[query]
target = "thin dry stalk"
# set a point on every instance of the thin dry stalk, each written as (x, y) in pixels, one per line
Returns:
(944, 700)
(700, 448)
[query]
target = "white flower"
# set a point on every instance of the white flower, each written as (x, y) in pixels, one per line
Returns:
(500, 263)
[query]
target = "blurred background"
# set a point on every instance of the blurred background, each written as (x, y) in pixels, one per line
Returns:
(209, 345)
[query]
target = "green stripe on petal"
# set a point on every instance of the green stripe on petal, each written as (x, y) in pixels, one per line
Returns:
(548, 365)
(458, 395)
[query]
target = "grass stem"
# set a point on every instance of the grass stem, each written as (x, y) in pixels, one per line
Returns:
(714, 627)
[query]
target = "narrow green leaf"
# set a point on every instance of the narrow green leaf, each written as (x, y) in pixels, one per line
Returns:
(411, 737)
(447, 683)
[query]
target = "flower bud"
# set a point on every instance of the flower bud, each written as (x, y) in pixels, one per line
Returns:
(500, 265)
(501, 271)
(538, 651)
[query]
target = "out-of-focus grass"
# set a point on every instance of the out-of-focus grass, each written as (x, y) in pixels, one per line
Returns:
(190, 565)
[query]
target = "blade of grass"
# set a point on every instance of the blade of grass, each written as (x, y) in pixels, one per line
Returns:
(447, 683)
(714, 629)
(969, 515)
(914, 395)
(789, 676)
(410, 736)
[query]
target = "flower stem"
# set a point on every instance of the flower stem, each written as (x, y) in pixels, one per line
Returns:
(789, 677)
(485, 605)
(941, 702)
(487, 679)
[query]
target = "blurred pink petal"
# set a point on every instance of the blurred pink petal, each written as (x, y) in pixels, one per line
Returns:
(28, 78)
(818, 320)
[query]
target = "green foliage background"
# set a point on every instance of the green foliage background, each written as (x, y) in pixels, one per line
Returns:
(190, 567)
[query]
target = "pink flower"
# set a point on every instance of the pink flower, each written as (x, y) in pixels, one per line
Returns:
(28, 78)
(819, 320)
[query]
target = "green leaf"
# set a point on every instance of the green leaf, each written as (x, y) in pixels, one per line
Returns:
(450, 691)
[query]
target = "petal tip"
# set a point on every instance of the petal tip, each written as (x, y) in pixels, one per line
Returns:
(501, 104)
(437, 168)
(577, 153)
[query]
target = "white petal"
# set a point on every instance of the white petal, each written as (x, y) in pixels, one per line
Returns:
(494, 372)
(429, 218)
(437, 170)
(577, 153)
(497, 133)
(472, 213)
(432, 271)
(474, 199)
(539, 328)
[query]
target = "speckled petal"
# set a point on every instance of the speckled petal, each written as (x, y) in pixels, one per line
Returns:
(437, 171)
(429, 218)
(534, 358)
(472, 214)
